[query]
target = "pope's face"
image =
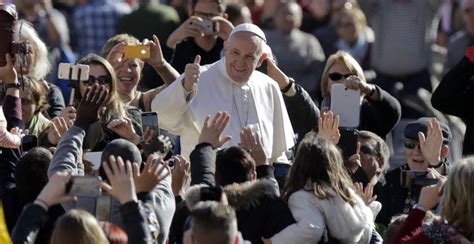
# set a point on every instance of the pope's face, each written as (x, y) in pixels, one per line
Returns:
(241, 54)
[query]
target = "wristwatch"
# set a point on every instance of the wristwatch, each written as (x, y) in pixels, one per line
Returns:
(13, 85)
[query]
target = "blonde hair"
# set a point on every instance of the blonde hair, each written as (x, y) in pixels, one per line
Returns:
(78, 227)
(346, 59)
(41, 65)
(457, 203)
(114, 106)
(353, 12)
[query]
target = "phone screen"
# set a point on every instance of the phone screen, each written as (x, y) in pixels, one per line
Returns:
(348, 142)
(88, 186)
(151, 120)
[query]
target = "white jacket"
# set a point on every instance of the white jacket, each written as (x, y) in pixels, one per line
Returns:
(348, 224)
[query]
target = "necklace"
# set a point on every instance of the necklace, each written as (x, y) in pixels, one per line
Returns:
(244, 104)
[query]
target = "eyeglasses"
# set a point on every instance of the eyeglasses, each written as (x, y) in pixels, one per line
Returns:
(337, 76)
(411, 144)
(367, 150)
(102, 80)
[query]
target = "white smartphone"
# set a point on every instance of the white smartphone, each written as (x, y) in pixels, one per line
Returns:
(345, 103)
(68, 71)
(94, 158)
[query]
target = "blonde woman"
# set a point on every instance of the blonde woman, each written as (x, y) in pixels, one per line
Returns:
(456, 223)
(116, 121)
(379, 111)
(321, 198)
(38, 66)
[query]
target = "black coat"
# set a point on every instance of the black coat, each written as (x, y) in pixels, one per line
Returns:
(455, 96)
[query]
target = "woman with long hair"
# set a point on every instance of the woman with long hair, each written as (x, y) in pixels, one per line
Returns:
(116, 121)
(456, 198)
(321, 198)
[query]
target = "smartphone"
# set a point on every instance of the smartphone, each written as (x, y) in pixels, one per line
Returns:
(345, 103)
(410, 178)
(68, 71)
(94, 158)
(150, 119)
(137, 51)
(84, 186)
(348, 142)
(209, 26)
(103, 208)
(28, 142)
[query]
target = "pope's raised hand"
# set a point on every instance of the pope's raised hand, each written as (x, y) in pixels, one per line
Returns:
(191, 73)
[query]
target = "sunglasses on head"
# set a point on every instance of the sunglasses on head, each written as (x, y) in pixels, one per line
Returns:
(102, 80)
(411, 144)
(337, 76)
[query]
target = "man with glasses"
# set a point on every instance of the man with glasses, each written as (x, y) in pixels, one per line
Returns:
(426, 143)
(203, 33)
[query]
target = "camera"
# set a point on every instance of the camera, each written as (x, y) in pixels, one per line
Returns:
(411, 178)
(137, 51)
(8, 17)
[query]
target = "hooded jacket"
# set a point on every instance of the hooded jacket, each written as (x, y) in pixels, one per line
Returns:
(346, 223)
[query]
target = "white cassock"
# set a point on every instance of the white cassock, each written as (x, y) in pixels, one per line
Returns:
(258, 104)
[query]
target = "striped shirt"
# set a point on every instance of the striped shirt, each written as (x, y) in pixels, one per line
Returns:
(95, 22)
(404, 32)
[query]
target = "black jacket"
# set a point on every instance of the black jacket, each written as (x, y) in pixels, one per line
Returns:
(34, 217)
(260, 211)
(303, 113)
(455, 96)
(380, 117)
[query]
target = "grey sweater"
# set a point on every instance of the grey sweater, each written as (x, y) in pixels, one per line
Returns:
(67, 158)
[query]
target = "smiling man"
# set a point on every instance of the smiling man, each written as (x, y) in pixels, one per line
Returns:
(231, 84)
(426, 144)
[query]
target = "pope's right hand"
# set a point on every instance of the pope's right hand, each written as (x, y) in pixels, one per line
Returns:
(191, 74)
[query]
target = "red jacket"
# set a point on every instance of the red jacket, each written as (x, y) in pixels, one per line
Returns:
(411, 230)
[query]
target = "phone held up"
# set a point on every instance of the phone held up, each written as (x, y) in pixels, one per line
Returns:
(150, 120)
(137, 51)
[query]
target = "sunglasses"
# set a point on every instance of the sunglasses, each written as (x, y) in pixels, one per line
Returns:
(411, 144)
(369, 151)
(337, 76)
(102, 80)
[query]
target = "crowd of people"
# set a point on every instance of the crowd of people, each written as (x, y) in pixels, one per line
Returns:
(250, 146)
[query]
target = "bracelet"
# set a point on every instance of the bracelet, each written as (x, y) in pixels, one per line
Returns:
(41, 203)
(288, 87)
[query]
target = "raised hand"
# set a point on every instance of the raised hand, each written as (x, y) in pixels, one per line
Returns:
(124, 128)
(191, 73)
(156, 55)
(89, 108)
(69, 113)
(430, 145)
(58, 128)
(366, 194)
(151, 175)
(190, 28)
(55, 191)
(115, 56)
(212, 132)
(121, 181)
(328, 126)
(181, 174)
(254, 145)
(224, 27)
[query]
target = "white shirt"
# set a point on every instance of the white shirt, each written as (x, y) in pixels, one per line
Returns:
(217, 92)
